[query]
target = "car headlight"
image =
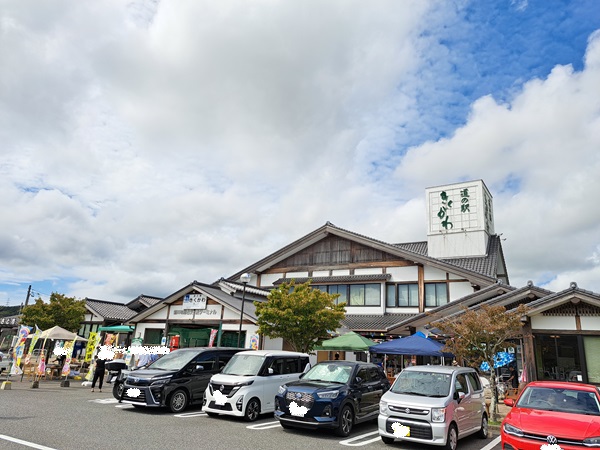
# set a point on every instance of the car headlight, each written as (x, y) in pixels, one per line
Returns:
(438, 414)
(160, 381)
(592, 442)
(328, 394)
(383, 409)
(237, 387)
(282, 389)
(510, 429)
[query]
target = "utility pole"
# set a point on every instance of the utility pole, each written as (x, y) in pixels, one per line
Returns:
(28, 295)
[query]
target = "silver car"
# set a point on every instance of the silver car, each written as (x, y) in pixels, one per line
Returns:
(436, 405)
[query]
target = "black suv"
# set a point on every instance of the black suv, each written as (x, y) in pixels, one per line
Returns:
(177, 379)
(333, 394)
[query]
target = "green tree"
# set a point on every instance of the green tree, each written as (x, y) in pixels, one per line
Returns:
(299, 314)
(66, 312)
(477, 335)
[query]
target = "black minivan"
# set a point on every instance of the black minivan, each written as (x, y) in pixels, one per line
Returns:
(177, 379)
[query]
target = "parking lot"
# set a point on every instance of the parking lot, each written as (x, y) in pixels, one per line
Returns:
(55, 417)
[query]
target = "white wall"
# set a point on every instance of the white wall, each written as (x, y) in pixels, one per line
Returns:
(368, 271)
(431, 273)
(296, 274)
(540, 322)
(401, 274)
(140, 328)
(459, 290)
(267, 279)
(590, 323)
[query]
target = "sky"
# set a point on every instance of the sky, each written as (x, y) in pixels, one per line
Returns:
(148, 144)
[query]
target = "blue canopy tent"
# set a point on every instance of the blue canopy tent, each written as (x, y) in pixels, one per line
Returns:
(411, 345)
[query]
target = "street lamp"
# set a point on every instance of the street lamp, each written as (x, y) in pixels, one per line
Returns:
(245, 278)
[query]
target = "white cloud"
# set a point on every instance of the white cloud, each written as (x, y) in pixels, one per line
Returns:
(539, 156)
(151, 144)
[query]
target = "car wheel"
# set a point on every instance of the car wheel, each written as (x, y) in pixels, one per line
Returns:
(118, 390)
(387, 440)
(483, 431)
(452, 438)
(252, 410)
(178, 401)
(346, 421)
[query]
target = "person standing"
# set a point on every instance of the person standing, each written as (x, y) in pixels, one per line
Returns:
(514, 378)
(98, 373)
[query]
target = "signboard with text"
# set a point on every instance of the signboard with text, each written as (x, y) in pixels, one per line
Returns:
(194, 301)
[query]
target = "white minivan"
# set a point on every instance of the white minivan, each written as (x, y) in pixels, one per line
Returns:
(247, 385)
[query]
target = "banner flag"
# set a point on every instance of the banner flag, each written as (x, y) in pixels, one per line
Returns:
(91, 346)
(213, 334)
(70, 346)
(34, 338)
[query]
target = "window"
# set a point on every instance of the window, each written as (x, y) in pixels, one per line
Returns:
(153, 336)
(355, 294)
(475, 381)
(436, 294)
(363, 374)
(402, 295)
(461, 384)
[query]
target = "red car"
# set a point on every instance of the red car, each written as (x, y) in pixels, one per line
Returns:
(549, 415)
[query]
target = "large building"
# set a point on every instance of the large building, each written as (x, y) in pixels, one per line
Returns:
(396, 289)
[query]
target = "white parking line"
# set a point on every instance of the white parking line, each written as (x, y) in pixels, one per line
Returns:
(351, 443)
(104, 400)
(492, 444)
(124, 405)
(26, 443)
(264, 426)
(192, 414)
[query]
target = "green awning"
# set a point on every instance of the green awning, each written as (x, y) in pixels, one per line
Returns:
(117, 329)
(351, 341)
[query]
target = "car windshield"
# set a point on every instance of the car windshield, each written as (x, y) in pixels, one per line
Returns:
(333, 373)
(426, 384)
(175, 360)
(244, 365)
(564, 400)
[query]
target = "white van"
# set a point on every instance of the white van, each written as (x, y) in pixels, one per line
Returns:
(247, 385)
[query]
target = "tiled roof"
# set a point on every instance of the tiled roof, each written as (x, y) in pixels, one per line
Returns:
(110, 310)
(337, 279)
(485, 265)
(373, 322)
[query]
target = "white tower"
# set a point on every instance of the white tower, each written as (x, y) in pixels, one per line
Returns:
(460, 219)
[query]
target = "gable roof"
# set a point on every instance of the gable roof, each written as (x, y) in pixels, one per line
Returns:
(142, 302)
(522, 296)
(492, 264)
(573, 295)
(372, 322)
(423, 319)
(215, 292)
(110, 311)
(482, 273)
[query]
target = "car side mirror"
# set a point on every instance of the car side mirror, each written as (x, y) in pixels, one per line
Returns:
(509, 402)
(199, 367)
(359, 380)
(458, 396)
(270, 371)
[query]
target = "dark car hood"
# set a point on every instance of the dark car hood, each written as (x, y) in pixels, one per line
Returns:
(148, 373)
(312, 386)
(575, 426)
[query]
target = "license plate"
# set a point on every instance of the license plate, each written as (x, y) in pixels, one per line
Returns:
(400, 430)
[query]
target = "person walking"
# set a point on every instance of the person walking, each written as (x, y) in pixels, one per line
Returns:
(98, 373)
